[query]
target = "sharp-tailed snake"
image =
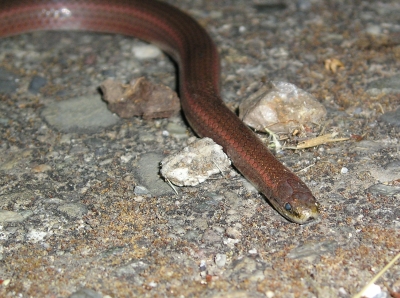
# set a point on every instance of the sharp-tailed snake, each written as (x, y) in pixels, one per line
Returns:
(191, 47)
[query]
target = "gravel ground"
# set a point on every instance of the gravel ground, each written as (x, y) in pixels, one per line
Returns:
(84, 213)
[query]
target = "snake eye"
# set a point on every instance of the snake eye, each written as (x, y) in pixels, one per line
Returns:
(288, 207)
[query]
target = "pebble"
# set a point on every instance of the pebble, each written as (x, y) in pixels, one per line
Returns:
(310, 251)
(233, 218)
(118, 250)
(231, 242)
(133, 271)
(140, 190)
(282, 107)
(4, 122)
(10, 216)
(41, 168)
(200, 223)
(179, 230)
(17, 199)
(207, 206)
(147, 173)
(373, 291)
(220, 260)
(195, 163)
(26, 213)
(36, 83)
(233, 200)
(386, 85)
(257, 275)
(73, 210)
(87, 114)
(211, 236)
(245, 265)
(8, 81)
(384, 190)
(176, 130)
(36, 235)
(145, 137)
(373, 29)
(138, 199)
(253, 251)
(387, 173)
(146, 51)
(127, 157)
(85, 293)
(392, 117)
(366, 147)
(233, 233)
(192, 236)
(303, 5)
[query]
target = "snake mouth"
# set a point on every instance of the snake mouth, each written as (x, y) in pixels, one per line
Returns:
(307, 215)
(300, 215)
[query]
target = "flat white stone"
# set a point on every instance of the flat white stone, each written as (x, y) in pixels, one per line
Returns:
(195, 163)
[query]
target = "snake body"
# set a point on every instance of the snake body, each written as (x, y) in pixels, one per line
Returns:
(191, 47)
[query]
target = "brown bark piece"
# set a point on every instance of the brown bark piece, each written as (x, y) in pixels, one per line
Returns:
(140, 98)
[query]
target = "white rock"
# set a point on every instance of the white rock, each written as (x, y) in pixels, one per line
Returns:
(372, 291)
(220, 260)
(36, 235)
(146, 51)
(195, 163)
(280, 107)
(10, 216)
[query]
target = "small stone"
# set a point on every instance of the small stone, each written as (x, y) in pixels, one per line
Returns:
(8, 81)
(280, 107)
(36, 83)
(386, 85)
(246, 265)
(36, 235)
(147, 174)
(233, 233)
(269, 294)
(41, 168)
(373, 29)
(211, 236)
(10, 216)
(200, 223)
(220, 260)
(195, 163)
(392, 117)
(138, 199)
(152, 284)
(311, 251)
(83, 114)
(384, 190)
(73, 210)
(146, 51)
(373, 291)
(140, 190)
(85, 293)
(176, 130)
(192, 235)
(253, 251)
(203, 265)
(126, 158)
(140, 98)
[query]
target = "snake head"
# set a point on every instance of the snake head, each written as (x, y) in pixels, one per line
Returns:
(295, 201)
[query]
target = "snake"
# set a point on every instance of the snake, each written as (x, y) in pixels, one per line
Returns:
(189, 44)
